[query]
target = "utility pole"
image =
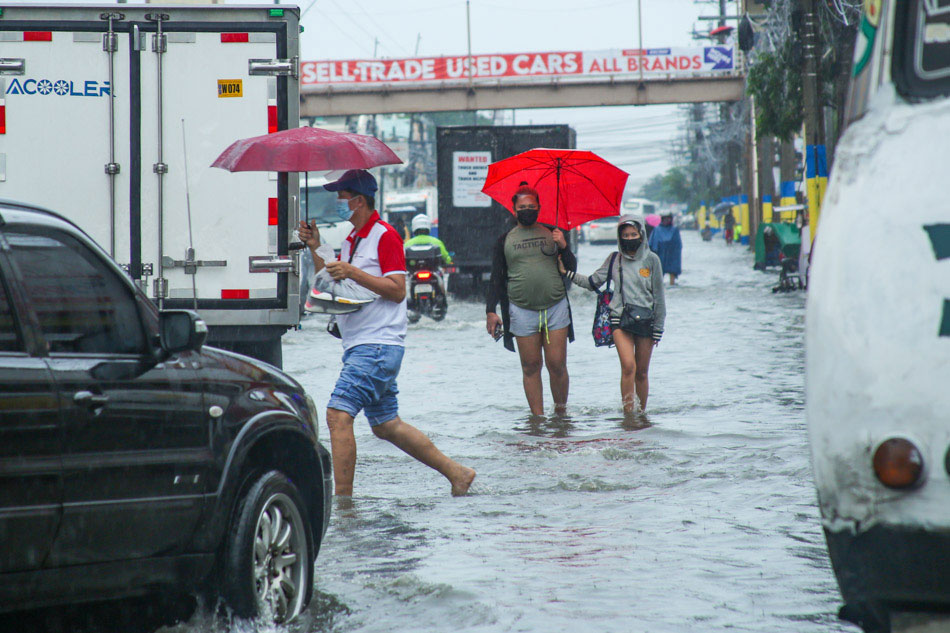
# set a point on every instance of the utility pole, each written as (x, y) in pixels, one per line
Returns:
(468, 31)
(640, 30)
(816, 164)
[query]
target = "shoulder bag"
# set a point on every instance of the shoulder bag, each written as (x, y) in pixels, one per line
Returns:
(635, 319)
(603, 336)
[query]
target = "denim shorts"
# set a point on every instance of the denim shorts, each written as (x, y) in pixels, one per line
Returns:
(368, 382)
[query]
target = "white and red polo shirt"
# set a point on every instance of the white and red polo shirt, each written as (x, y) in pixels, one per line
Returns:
(379, 253)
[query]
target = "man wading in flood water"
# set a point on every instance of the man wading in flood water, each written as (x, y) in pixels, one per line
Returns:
(534, 309)
(373, 337)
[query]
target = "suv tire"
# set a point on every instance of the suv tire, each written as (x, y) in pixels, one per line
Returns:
(268, 560)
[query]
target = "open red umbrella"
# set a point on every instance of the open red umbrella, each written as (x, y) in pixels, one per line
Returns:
(574, 185)
(306, 149)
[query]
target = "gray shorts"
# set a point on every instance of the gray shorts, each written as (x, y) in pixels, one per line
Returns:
(526, 322)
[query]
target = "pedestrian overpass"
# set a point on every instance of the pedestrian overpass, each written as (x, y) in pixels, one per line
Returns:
(342, 100)
(521, 80)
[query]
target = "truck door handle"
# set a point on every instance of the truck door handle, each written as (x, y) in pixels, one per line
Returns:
(89, 399)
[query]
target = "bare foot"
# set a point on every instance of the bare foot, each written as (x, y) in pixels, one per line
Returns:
(462, 481)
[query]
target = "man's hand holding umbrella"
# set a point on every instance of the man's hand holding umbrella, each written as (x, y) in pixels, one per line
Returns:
(310, 236)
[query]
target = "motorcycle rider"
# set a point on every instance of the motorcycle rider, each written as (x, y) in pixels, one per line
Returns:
(421, 225)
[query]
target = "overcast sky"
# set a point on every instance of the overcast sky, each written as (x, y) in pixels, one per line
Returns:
(635, 138)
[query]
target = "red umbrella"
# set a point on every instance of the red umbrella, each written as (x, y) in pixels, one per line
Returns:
(574, 185)
(306, 149)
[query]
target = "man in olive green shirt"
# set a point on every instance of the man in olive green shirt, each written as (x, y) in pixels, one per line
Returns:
(534, 309)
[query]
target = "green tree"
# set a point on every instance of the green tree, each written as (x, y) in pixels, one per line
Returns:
(674, 186)
(776, 84)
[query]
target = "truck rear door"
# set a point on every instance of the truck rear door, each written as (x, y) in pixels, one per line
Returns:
(99, 108)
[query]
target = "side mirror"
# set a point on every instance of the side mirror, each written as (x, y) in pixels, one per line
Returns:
(181, 330)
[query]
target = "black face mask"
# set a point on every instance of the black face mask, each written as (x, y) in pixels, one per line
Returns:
(631, 246)
(527, 217)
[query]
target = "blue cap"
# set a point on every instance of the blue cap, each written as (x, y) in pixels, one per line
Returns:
(358, 180)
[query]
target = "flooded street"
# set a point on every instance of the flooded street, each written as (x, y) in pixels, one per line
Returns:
(703, 520)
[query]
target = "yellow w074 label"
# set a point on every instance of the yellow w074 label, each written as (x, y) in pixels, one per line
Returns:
(230, 88)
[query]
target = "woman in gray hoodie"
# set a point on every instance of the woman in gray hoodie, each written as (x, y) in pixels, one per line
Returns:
(637, 280)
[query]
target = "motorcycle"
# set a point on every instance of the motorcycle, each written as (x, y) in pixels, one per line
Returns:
(426, 295)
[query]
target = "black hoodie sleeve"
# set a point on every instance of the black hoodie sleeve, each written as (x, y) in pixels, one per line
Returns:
(568, 258)
(499, 277)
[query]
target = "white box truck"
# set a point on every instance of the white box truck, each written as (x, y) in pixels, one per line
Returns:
(98, 105)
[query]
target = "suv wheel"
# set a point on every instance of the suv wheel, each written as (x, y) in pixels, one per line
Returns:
(268, 563)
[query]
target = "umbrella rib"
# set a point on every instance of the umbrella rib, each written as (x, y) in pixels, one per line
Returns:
(596, 188)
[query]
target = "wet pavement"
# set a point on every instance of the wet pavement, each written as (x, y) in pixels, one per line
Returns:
(700, 516)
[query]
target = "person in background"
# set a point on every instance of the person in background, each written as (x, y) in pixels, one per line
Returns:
(667, 243)
(534, 308)
(729, 227)
(373, 337)
(421, 227)
(400, 225)
(638, 287)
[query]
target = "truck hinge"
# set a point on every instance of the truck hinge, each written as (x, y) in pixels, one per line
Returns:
(274, 67)
(160, 168)
(112, 168)
(273, 264)
(145, 270)
(12, 66)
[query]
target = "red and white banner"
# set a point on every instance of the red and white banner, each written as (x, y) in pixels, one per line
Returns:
(657, 61)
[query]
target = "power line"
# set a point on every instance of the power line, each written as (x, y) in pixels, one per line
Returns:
(378, 25)
(358, 40)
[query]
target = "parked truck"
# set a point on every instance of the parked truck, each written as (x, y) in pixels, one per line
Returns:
(98, 105)
(469, 221)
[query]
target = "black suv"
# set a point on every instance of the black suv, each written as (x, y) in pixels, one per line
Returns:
(132, 460)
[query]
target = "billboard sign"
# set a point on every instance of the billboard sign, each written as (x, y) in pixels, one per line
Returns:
(652, 62)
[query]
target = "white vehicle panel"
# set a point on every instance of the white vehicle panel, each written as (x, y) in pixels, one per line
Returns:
(58, 110)
(229, 211)
(876, 364)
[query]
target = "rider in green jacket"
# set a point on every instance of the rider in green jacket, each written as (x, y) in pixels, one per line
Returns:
(420, 236)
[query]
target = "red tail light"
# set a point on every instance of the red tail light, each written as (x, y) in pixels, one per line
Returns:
(898, 463)
(423, 275)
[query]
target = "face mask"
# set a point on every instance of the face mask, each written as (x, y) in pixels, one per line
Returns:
(343, 209)
(632, 245)
(527, 217)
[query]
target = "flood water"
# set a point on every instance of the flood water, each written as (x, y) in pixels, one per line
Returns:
(702, 518)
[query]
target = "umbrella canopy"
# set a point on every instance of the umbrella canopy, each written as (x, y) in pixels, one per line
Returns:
(575, 186)
(652, 219)
(306, 149)
(723, 207)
